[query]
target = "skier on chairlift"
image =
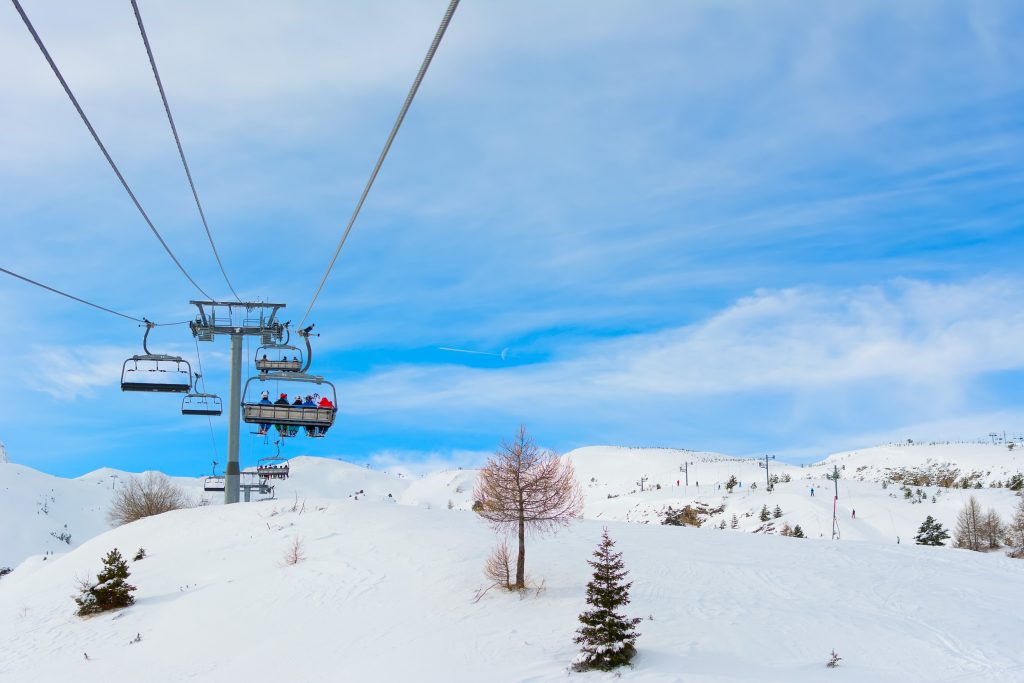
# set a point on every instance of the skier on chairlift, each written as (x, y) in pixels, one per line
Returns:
(293, 430)
(324, 403)
(265, 401)
(310, 402)
(282, 401)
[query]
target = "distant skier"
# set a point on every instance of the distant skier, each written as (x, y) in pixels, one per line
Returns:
(812, 492)
(853, 514)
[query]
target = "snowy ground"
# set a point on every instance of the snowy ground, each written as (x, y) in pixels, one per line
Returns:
(391, 569)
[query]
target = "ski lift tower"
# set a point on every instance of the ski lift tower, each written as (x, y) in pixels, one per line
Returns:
(237, 319)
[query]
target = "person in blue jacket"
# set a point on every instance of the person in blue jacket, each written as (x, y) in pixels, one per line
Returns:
(264, 427)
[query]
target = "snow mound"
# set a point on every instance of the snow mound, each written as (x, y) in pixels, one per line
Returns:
(386, 592)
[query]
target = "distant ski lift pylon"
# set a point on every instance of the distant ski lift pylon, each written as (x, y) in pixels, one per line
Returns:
(146, 374)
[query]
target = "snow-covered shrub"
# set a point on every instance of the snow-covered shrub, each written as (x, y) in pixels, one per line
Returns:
(4, 571)
(607, 639)
(833, 660)
(931, 532)
(498, 568)
(296, 552)
(140, 554)
(109, 591)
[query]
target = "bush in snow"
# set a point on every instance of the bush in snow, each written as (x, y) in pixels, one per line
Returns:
(296, 552)
(731, 484)
(833, 660)
(140, 554)
(4, 571)
(607, 638)
(110, 590)
(1016, 482)
(786, 530)
(151, 494)
(498, 568)
(931, 532)
(734, 523)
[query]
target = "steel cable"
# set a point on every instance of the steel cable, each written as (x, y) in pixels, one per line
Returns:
(181, 151)
(387, 146)
(96, 137)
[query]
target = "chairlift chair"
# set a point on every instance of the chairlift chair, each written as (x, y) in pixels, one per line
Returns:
(282, 350)
(201, 404)
(315, 417)
(151, 377)
(213, 483)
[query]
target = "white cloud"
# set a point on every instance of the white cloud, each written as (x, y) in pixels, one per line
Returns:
(907, 334)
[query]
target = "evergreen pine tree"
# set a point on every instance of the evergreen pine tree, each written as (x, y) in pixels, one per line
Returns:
(765, 515)
(931, 532)
(734, 522)
(731, 484)
(607, 639)
(798, 532)
(110, 591)
(777, 512)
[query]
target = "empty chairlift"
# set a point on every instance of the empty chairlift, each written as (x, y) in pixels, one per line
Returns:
(156, 372)
(201, 404)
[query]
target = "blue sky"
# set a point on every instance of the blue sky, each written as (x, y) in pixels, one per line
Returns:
(746, 227)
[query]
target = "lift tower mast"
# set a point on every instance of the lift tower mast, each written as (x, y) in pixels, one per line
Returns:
(238, 319)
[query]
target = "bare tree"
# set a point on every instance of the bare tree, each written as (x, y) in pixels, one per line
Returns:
(523, 488)
(151, 494)
(969, 523)
(992, 530)
(1015, 532)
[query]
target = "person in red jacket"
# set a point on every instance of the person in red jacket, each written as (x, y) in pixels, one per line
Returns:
(324, 403)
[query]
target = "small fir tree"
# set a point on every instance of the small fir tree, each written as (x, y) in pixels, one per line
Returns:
(607, 638)
(734, 522)
(798, 532)
(765, 515)
(110, 590)
(777, 512)
(731, 484)
(931, 532)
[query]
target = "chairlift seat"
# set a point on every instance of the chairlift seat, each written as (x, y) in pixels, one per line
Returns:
(278, 365)
(291, 415)
(213, 483)
(201, 404)
(156, 379)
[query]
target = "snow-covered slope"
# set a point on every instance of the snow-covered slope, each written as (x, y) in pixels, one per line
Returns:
(610, 478)
(386, 594)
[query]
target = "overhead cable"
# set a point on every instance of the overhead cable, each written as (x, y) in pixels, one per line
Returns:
(387, 146)
(96, 137)
(181, 151)
(83, 301)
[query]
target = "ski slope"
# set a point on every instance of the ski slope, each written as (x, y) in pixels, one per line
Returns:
(386, 593)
